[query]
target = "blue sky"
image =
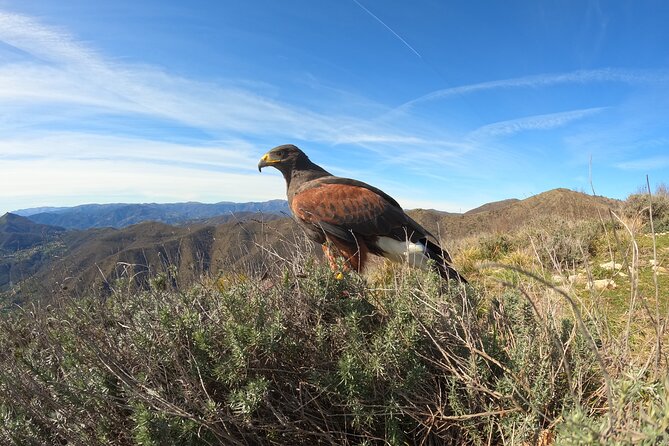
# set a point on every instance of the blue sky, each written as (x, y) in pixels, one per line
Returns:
(442, 104)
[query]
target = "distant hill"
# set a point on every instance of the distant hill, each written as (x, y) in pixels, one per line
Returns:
(121, 215)
(31, 211)
(18, 233)
(97, 257)
(25, 247)
(508, 215)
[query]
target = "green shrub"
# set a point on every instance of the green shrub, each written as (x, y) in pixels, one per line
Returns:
(639, 205)
(495, 246)
(563, 243)
(303, 357)
(641, 414)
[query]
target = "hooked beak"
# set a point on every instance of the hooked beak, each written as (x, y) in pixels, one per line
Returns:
(266, 161)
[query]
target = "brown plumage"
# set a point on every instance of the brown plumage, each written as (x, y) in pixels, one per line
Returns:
(352, 219)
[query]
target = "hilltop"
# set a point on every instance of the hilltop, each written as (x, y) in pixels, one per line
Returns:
(508, 215)
(493, 206)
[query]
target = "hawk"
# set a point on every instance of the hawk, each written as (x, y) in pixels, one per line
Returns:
(352, 219)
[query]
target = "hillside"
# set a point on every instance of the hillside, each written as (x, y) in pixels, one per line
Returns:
(25, 247)
(122, 214)
(99, 257)
(509, 215)
(18, 233)
(495, 205)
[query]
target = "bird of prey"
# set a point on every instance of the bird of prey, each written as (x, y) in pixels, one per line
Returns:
(352, 219)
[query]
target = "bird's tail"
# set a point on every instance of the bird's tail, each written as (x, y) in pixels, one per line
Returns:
(442, 262)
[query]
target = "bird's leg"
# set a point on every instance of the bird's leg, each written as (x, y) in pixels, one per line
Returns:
(354, 256)
(328, 249)
(351, 259)
(332, 257)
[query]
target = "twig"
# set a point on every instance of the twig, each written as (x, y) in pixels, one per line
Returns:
(634, 281)
(659, 328)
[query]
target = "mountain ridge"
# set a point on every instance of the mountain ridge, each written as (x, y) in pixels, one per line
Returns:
(97, 257)
(508, 214)
(120, 215)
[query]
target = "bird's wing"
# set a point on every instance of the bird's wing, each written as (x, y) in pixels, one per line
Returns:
(344, 207)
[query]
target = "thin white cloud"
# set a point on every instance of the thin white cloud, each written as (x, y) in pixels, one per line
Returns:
(62, 70)
(384, 138)
(544, 80)
(106, 180)
(230, 155)
(538, 122)
(45, 43)
(645, 164)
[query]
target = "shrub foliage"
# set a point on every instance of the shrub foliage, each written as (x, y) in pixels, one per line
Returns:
(303, 358)
(640, 205)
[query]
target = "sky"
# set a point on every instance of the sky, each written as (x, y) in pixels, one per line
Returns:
(442, 104)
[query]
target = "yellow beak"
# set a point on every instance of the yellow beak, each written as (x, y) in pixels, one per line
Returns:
(266, 161)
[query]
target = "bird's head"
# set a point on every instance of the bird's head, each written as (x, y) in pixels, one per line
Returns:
(284, 158)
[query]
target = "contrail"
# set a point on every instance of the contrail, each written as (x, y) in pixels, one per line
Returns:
(388, 28)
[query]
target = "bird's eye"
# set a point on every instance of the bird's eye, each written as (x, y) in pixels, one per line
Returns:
(279, 154)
